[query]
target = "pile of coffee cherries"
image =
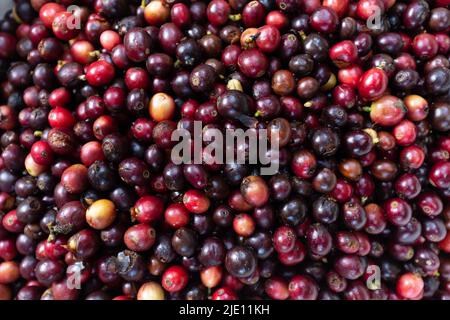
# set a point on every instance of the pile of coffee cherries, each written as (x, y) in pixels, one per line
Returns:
(92, 205)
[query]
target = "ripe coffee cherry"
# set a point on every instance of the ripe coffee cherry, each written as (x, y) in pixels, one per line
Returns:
(425, 46)
(218, 12)
(284, 239)
(253, 14)
(174, 279)
(304, 164)
(324, 19)
(253, 63)
(268, 39)
(61, 117)
(387, 111)
(176, 215)
(196, 201)
(398, 211)
(367, 8)
(243, 225)
(255, 191)
(439, 175)
(303, 288)
(137, 44)
(409, 285)
(64, 25)
(48, 12)
(343, 53)
(156, 13)
(75, 178)
(417, 107)
(139, 237)
(41, 153)
(350, 75)
(276, 288)
(148, 209)
(354, 98)
(109, 39)
(224, 293)
(405, 133)
(373, 84)
(100, 73)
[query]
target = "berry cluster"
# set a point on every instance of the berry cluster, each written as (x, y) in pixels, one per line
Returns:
(93, 207)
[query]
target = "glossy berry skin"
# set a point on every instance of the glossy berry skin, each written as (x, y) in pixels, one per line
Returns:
(176, 215)
(240, 262)
(293, 257)
(161, 107)
(253, 14)
(405, 133)
(276, 288)
(150, 291)
(64, 26)
(218, 12)
(439, 175)
(243, 225)
(343, 53)
(181, 15)
(48, 12)
(137, 78)
(319, 239)
(304, 164)
(75, 178)
(156, 13)
(253, 63)
(349, 266)
(340, 7)
(42, 153)
(408, 186)
(387, 111)
(284, 239)
(324, 19)
(350, 75)
(430, 204)
(139, 237)
(268, 39)
(255, 191)
(137, 44)
(409, 286)
(417, 107)
(398, 211)
(101, 214)
(90, 97)
(412, 157)
(174, 279)
(148, 209)
(366, 8)
(303, 288)
(425, 46)
(61, 117)
(342, 191)
(373, 84)
(100, 73)
(196, 202)
(224, 293)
